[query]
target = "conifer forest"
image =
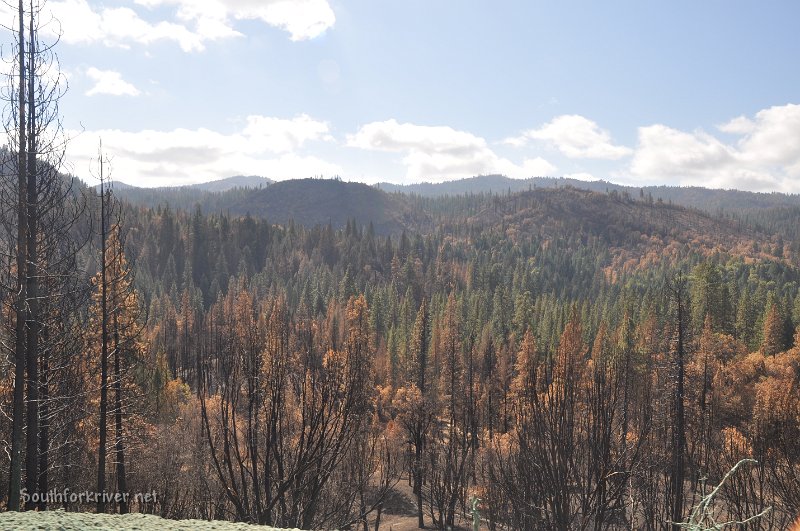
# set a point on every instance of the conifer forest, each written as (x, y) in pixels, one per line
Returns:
(547, 357)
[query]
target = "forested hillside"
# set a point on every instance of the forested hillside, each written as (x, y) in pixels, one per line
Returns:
(690, 196)
(476, 343)
(315, 201)
(329, 201)
(519, 332)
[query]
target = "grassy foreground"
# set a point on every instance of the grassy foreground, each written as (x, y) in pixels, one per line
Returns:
(64, 521)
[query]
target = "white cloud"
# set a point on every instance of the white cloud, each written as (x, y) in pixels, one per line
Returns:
(516, 141)
(109, 82)
(302, 19)
(765, 157)
(264, 146)
(738, 126)
(774, 139)
(536, 167)
(281, 135)
(393, 136)
(576, 137)
(440, 153)
(196, 22)
(671, 153)
(79, 23)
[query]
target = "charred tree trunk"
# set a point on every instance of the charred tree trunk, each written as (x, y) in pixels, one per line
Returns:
(677, 473)
(122, 482)
(32, 287)
(44, 264)
(418, 479)
(20, 358)
(101, 448)
(44, 429)
(44, 425)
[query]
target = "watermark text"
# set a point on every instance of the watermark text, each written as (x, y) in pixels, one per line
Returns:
(69, 496)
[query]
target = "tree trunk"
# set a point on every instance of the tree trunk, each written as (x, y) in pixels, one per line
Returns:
(679, 434)
(418, 480)
(101, 448)
(122, 482)
(20, 358)
(32, 288)
(44, 427)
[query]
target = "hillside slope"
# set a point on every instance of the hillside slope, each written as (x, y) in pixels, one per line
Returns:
(710, 200)
(636, 230)
(321, 201)
(637, 233)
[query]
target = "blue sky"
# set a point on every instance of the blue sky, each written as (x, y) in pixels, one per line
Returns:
(637, 92)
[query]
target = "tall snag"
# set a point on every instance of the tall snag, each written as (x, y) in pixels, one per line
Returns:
(117, 314)
(33, 195)
(677, 291)
(101, 447)
(20, 356)
(32, 275)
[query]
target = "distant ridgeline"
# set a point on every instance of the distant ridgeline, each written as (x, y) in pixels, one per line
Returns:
(311, 201)
(689, 196)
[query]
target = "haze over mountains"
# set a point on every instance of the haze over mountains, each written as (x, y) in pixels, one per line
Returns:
(692, 196)
(221, 185)
(238, 181)
(689, 196)
(347, 200)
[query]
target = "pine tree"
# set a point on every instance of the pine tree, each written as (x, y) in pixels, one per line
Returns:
(774, 333)
(413, 400)
(710, 297)
(525, 384)
(423, 416)
(116, 303)
(746, 320)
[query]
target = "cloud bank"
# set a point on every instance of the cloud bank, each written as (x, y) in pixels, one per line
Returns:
(757, 153)
(576, 137)
(268, 146)
(302, 19)
(191, 24)
(765, 155)
(439, 153)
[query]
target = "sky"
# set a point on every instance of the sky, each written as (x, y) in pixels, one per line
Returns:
(686, 92)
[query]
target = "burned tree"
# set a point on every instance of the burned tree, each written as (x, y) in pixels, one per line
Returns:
(34, 195)
(677, 292)
(279, 415)
(118, 316)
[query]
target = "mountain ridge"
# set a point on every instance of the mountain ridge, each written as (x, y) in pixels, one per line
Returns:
(219, 185)
(332, 201)
(328, 201)
(637, 233)
(237, 181)
(709, 199)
